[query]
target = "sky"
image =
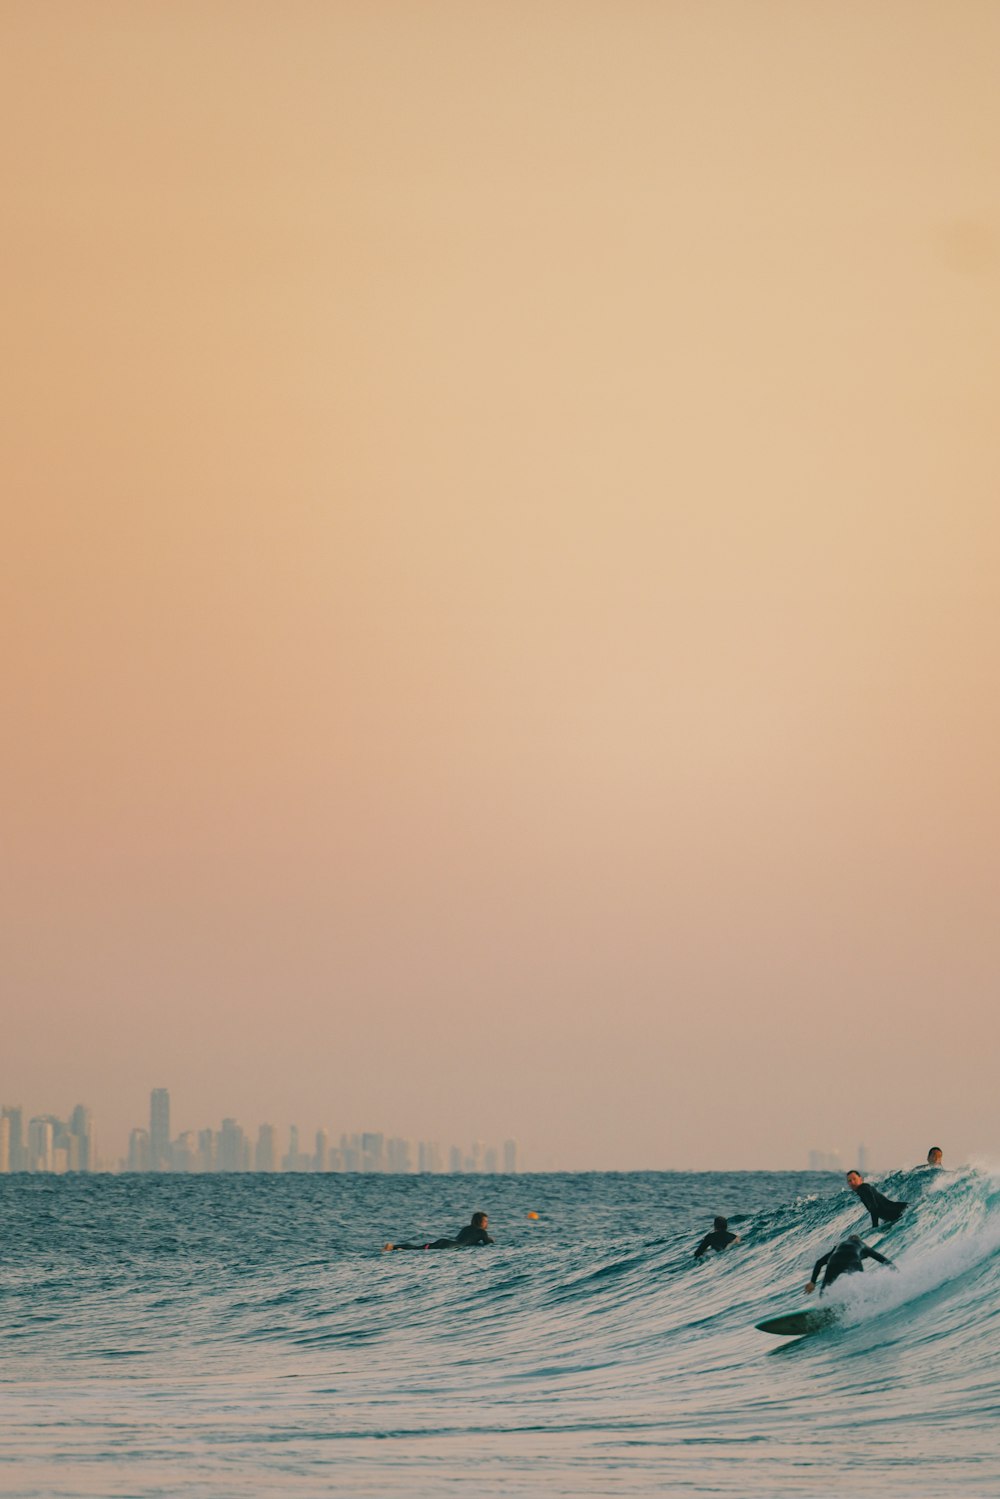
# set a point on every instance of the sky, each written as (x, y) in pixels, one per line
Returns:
(499, 584)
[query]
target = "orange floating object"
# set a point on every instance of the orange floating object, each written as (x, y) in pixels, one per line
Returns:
(532, 1215)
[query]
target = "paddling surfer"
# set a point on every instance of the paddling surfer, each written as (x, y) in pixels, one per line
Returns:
(472, 1234)
(719, 1239)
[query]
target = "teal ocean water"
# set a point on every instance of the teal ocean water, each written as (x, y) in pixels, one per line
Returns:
(244, 1335)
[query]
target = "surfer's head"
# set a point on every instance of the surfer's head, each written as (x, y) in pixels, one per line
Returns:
(479, 1220)
(721, 1224)
(854, 1180)
(934, 1155)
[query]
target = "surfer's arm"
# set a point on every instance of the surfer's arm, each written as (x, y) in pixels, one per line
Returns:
(872, 1254)
(702, 1246)
(815, 1275)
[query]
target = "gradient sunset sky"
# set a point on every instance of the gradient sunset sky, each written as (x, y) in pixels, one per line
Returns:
(500, 572)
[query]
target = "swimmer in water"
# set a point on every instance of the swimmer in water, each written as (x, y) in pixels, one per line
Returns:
(845, 1259)
(880, 1207)
(719, 1239)
(473, 1233)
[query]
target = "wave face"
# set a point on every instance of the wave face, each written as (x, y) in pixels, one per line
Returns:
(209, 1336)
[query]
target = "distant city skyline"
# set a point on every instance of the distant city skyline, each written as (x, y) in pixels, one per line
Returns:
(49, 1144)
(833, 1160)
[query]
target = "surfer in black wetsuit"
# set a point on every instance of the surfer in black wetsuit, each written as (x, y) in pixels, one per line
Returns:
(845, 1259)
(473, 1233)
(935, 1156)
(719, 1239)
(880, 1207)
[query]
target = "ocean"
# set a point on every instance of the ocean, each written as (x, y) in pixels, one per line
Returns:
(218, 1336)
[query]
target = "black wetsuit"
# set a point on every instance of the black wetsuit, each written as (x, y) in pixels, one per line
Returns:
(845, 1259)
(718, 1240)
(471, 1234)
(879, 1206)
(467, 1236)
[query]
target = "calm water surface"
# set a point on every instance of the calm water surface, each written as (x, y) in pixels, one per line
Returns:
(244, 1335)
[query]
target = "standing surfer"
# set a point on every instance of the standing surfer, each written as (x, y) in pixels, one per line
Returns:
(845, 1259)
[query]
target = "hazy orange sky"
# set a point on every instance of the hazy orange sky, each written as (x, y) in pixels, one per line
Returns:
(500, 571)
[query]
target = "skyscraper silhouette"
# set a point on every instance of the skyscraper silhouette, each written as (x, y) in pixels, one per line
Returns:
(159, 1130)
(81, 1128)
(16, 1142)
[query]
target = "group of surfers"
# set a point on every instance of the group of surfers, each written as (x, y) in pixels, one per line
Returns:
(845, 1258)
(848, 1256)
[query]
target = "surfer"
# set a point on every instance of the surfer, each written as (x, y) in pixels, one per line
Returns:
(880, 1207)
(719, 1239)
(844, 1259)
(473, 1233)
(935, 1156)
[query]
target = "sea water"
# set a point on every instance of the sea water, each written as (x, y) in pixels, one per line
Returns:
(245, 1335)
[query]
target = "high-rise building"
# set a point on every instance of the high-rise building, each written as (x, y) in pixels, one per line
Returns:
(490, 1160)
(266, 1154)
(510, 1156)
(864, 1164)
(4, 1144)
(81, 1144)
(205, 1157)
(399, 1156)
(296, 1159)
(372, 1152)
(138, 1150)
(41, 1144)
(231, 1151)
(159, 1130)
(429, 1156)
(18, 1144)
(455, 1159)
(321, 1156)
(182, 1153)
(474, 1160)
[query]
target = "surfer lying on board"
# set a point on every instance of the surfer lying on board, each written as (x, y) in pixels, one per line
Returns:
(474, 1232)
(877, 1205)
(719, 1239)
(845, 1259)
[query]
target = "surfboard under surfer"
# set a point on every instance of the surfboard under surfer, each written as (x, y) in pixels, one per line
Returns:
(472, 1234)
(880, 1207)
(846, 1258)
